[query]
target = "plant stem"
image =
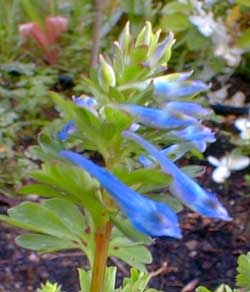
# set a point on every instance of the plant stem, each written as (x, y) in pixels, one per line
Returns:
(99, 6)
(101, 253)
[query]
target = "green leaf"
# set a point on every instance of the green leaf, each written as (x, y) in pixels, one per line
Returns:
(49, 287)
(143, 179)
(172, 202)
(175, 22)
(87, 123)
(138, 281)
(40, 190)
(60, 225)
(129, 231)
(31, 11)
(134, 254)
(109, 282)
(71, 183)
(243, 2)
(176, 7)
(202, 289)
(110, 277)
(224, 288)
(243, 269)
(118, 118)
(196, 41)
(193, 170)
(85, 280)
(44, 243)
(50, 147)
(244, 40)
(40, 219)
(79, 224)
(69, 214)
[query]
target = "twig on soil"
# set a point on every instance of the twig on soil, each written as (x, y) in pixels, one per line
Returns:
(162, 270)
(120, 266)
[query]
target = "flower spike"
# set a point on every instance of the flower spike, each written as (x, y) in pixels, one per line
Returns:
(171, 90)
(182, 186)
(157, 118)
(148, 216)
(198, 135)
(187, 108)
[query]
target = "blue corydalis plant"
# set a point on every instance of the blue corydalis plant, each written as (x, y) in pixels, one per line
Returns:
(148, 216)
(182, 186)
(127, 98)
(157, 118)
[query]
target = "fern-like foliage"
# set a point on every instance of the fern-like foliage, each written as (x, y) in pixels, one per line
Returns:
(243, 269)
(49, 287)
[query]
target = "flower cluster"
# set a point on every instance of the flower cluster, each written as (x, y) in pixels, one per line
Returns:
(159, 117)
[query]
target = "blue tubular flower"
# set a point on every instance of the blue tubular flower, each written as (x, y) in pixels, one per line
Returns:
(187, 108)
(173, 149)
(157, 118)
(148, 216)
(87, 102)
(198, 135)
(67, 130)
(168, 90)
(182, 186)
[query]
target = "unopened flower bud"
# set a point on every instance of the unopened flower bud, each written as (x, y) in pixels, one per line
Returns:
(145, 36)
(106, 74)
(162, 52)
(125, 38)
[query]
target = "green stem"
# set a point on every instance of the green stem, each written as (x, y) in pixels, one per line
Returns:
(102, 238)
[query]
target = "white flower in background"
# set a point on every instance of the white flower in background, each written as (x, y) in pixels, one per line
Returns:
(231, 55)
(243, 125)
(215, 29)
(221, 96)
(210, 2)
(204, 23)
(226, 164)
(238, 99)
(218, 96)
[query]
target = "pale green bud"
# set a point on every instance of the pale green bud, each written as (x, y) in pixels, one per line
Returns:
(118, 62)
(154, 42)
(168, 51)
(105, 74)
(146, 35)
(125, 39)
(162, 52)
